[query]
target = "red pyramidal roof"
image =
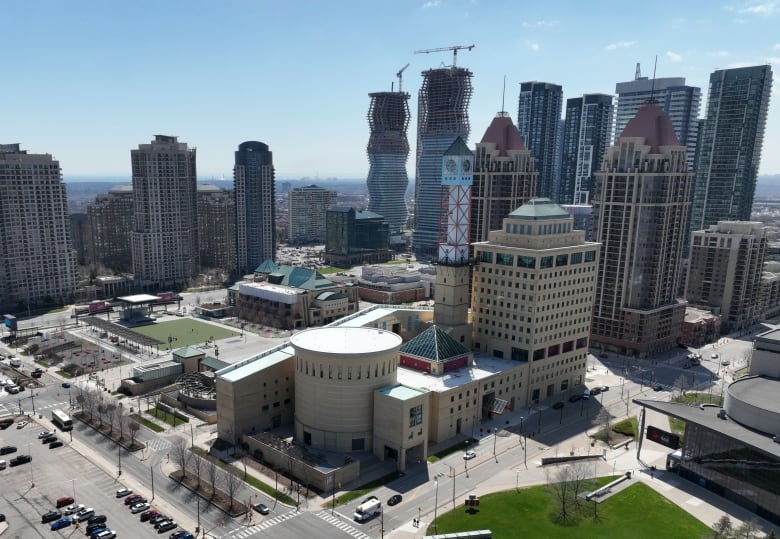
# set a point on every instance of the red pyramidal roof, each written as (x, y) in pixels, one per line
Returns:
(503, 133)
(652, 124)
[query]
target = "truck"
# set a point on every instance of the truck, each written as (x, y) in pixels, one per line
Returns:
(368, 509)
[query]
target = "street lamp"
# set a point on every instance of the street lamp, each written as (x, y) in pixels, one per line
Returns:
(435, 506)
(495, 435)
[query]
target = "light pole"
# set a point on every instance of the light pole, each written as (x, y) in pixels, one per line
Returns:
(73, 484)
(119, 458)
(32, 479)
(525, 454)
(495, 435)
(435, 506)
(452, 468)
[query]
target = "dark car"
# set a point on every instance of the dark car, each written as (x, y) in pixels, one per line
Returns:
(261, 508)
(55, 444)
(658, 387)
(167, 525)
(558, 405)
(37, 373)
(66, 385)
(595, 390)
(575, 397)
(95, 531)
(49, 439)
(51, 515)
(130, 500)
(159, 517)
(61, 523)
(395, 499)
(21, 459)
(5, 423)
(147, 515)
(7, 449)
(92, 527)
(182, 534)
(96, 519)
(2, 517)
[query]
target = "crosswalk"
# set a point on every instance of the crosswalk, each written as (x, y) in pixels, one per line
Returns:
(343, 526)
(243, 532)
(158, 444)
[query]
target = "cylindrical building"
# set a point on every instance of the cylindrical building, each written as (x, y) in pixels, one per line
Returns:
(337, 371)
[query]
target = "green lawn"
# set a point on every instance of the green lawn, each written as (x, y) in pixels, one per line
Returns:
(637, 512)
(186, 332)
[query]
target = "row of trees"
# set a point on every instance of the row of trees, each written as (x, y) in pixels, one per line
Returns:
(205, 472)
(98, 407)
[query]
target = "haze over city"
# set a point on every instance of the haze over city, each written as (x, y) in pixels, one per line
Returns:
(92, 80)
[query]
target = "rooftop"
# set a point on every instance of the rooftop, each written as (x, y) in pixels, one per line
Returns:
(540, 208)
(434, 344)
(503, 133)
(139, 299)
(483, 367)
(346, 340)
(188, 351)
(401, 392)
(652, 124)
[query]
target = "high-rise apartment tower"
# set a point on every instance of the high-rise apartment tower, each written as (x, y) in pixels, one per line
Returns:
(538, 120)
(253, 181)
(442, 117)
(110, 220)
(730, 146)
(308, 208)
(164, 240)
(37, 261)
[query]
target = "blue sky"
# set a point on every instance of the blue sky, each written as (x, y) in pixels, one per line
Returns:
(89, 80)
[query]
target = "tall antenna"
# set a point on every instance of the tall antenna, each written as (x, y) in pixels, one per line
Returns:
(503, 95)
(652, 87)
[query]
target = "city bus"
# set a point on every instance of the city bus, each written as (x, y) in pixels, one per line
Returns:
(61, 420)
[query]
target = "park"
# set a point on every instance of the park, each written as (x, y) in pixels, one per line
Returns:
(184, 332)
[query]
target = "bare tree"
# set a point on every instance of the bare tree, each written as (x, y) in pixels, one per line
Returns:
(211, 473)
(181, 455)
(722, 529)
(197, 464)
(680, 385)
(748, 530)
(133, 426)
(565, 484)
(604, 420)
(101, 410)
(232, 484)
(121, 420)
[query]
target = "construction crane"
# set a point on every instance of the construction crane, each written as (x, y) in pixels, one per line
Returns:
(399, 75)
(454, 49)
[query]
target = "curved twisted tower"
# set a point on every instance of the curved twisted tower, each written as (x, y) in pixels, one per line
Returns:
(388, 151)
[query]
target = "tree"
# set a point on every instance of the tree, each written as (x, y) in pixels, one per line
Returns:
(723, 528)
(679, 385)
(603, 420)
(565, 484)
(121, 420)
(134, 427)
(747, 530)
(181, 455)
(197, 464)
(232, 484)
(211, 473)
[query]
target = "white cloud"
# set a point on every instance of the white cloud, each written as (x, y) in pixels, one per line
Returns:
(762, 8)
(776, 47)
(673, 56)
(539, 24)
(735, 65)
(774, 60)
(619, 45)
(534, 46)
(431, 3)
(719, 54)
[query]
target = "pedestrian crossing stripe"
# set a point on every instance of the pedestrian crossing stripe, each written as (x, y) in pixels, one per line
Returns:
(341, 525)
(242, 533)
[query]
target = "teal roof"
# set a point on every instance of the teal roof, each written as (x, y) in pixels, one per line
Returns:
(434, 344)
(540, 208)
(401, 392)
(305, 278)
(189, 351)
(326, 296)
(214, 363)
(458, 148)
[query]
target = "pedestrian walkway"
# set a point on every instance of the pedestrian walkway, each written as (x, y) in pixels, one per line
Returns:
(341, 525)
(243, 532)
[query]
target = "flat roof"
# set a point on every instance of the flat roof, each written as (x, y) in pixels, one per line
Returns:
(757, 391)
(137, 299)
(257, 363)
(483, 367)
(346, 340)
(401, 392)
(373, 314)
(773, 336)
(707, 417)
(188, 351)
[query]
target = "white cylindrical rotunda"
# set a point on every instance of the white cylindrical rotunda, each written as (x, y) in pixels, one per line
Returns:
(337, 370)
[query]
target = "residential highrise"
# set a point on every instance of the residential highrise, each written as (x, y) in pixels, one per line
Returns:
(37, 260)
(110, 220)
(254, 187)
(679, 101)
(442, 117)
(587, 133)
(308, 207)
(521, 277)
(538, 120)
(504, 177)
(724, 272)
(730, 147)
(164, 239)
(388, 151)
(640, 208)
(216, 227)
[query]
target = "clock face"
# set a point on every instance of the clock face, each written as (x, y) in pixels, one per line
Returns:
(466, 166)
(450, 166)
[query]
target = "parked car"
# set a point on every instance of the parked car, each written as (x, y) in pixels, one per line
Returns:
(95, 531)
(558, 405)
(159, 517)
(63, 501)
(21, 459)
(49, 439)
(84, 514)
(106, 534)
(182, 534)
(21, 424)
(45, 433)
(130, 500)
(55, 444)
(139, 507)
(61, 523)
(575, 397)
(73, 508)
(6, 422)
(96, 519)
(92, 529)
(261, 508)
(395, 499)
(2, 517)
(6, 449)
(122, 492)
(147, 515)
(167, 525)
(49, 516)
(470, 454)
(3, 464)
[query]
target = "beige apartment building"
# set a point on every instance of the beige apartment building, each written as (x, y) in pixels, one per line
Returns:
(308, 208)
(532, 297)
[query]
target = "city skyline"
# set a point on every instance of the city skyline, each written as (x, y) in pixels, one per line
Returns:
(91, 80)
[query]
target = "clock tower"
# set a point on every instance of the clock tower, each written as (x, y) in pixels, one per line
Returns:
(451, 297)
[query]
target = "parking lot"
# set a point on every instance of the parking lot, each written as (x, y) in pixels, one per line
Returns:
(31, 489)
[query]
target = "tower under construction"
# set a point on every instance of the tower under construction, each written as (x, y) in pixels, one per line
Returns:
(388, 151)
(442, 117)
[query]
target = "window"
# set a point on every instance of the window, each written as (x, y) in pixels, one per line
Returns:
(526, 261)
(561, 260)
(546, 262)
(415, 415)
(505, 259)
(576, 258)
(486, 256)
(590, 256)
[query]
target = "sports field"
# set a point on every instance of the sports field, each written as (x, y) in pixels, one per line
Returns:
(185, 332)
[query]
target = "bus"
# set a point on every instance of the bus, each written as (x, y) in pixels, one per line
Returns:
(61, 420)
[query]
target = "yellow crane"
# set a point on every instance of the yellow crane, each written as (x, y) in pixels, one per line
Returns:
(454, 49)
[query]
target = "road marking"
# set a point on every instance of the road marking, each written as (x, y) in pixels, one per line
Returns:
(341, 525)
(244, 532)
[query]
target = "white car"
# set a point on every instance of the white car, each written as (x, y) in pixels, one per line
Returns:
(45, 433)
(715, 356)
(137, 508)
(69, 510)
(106, 534)
(470, 454)
(84, 514)
(21, 424)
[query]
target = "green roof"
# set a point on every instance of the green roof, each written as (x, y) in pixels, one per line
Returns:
(401, 392)
(305, 278)
(434, 344)
(213, 363)
(188, 351)
(540, 208)
(458, 148)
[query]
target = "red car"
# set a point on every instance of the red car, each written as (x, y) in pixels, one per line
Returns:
(146, 515)
(132, 499)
